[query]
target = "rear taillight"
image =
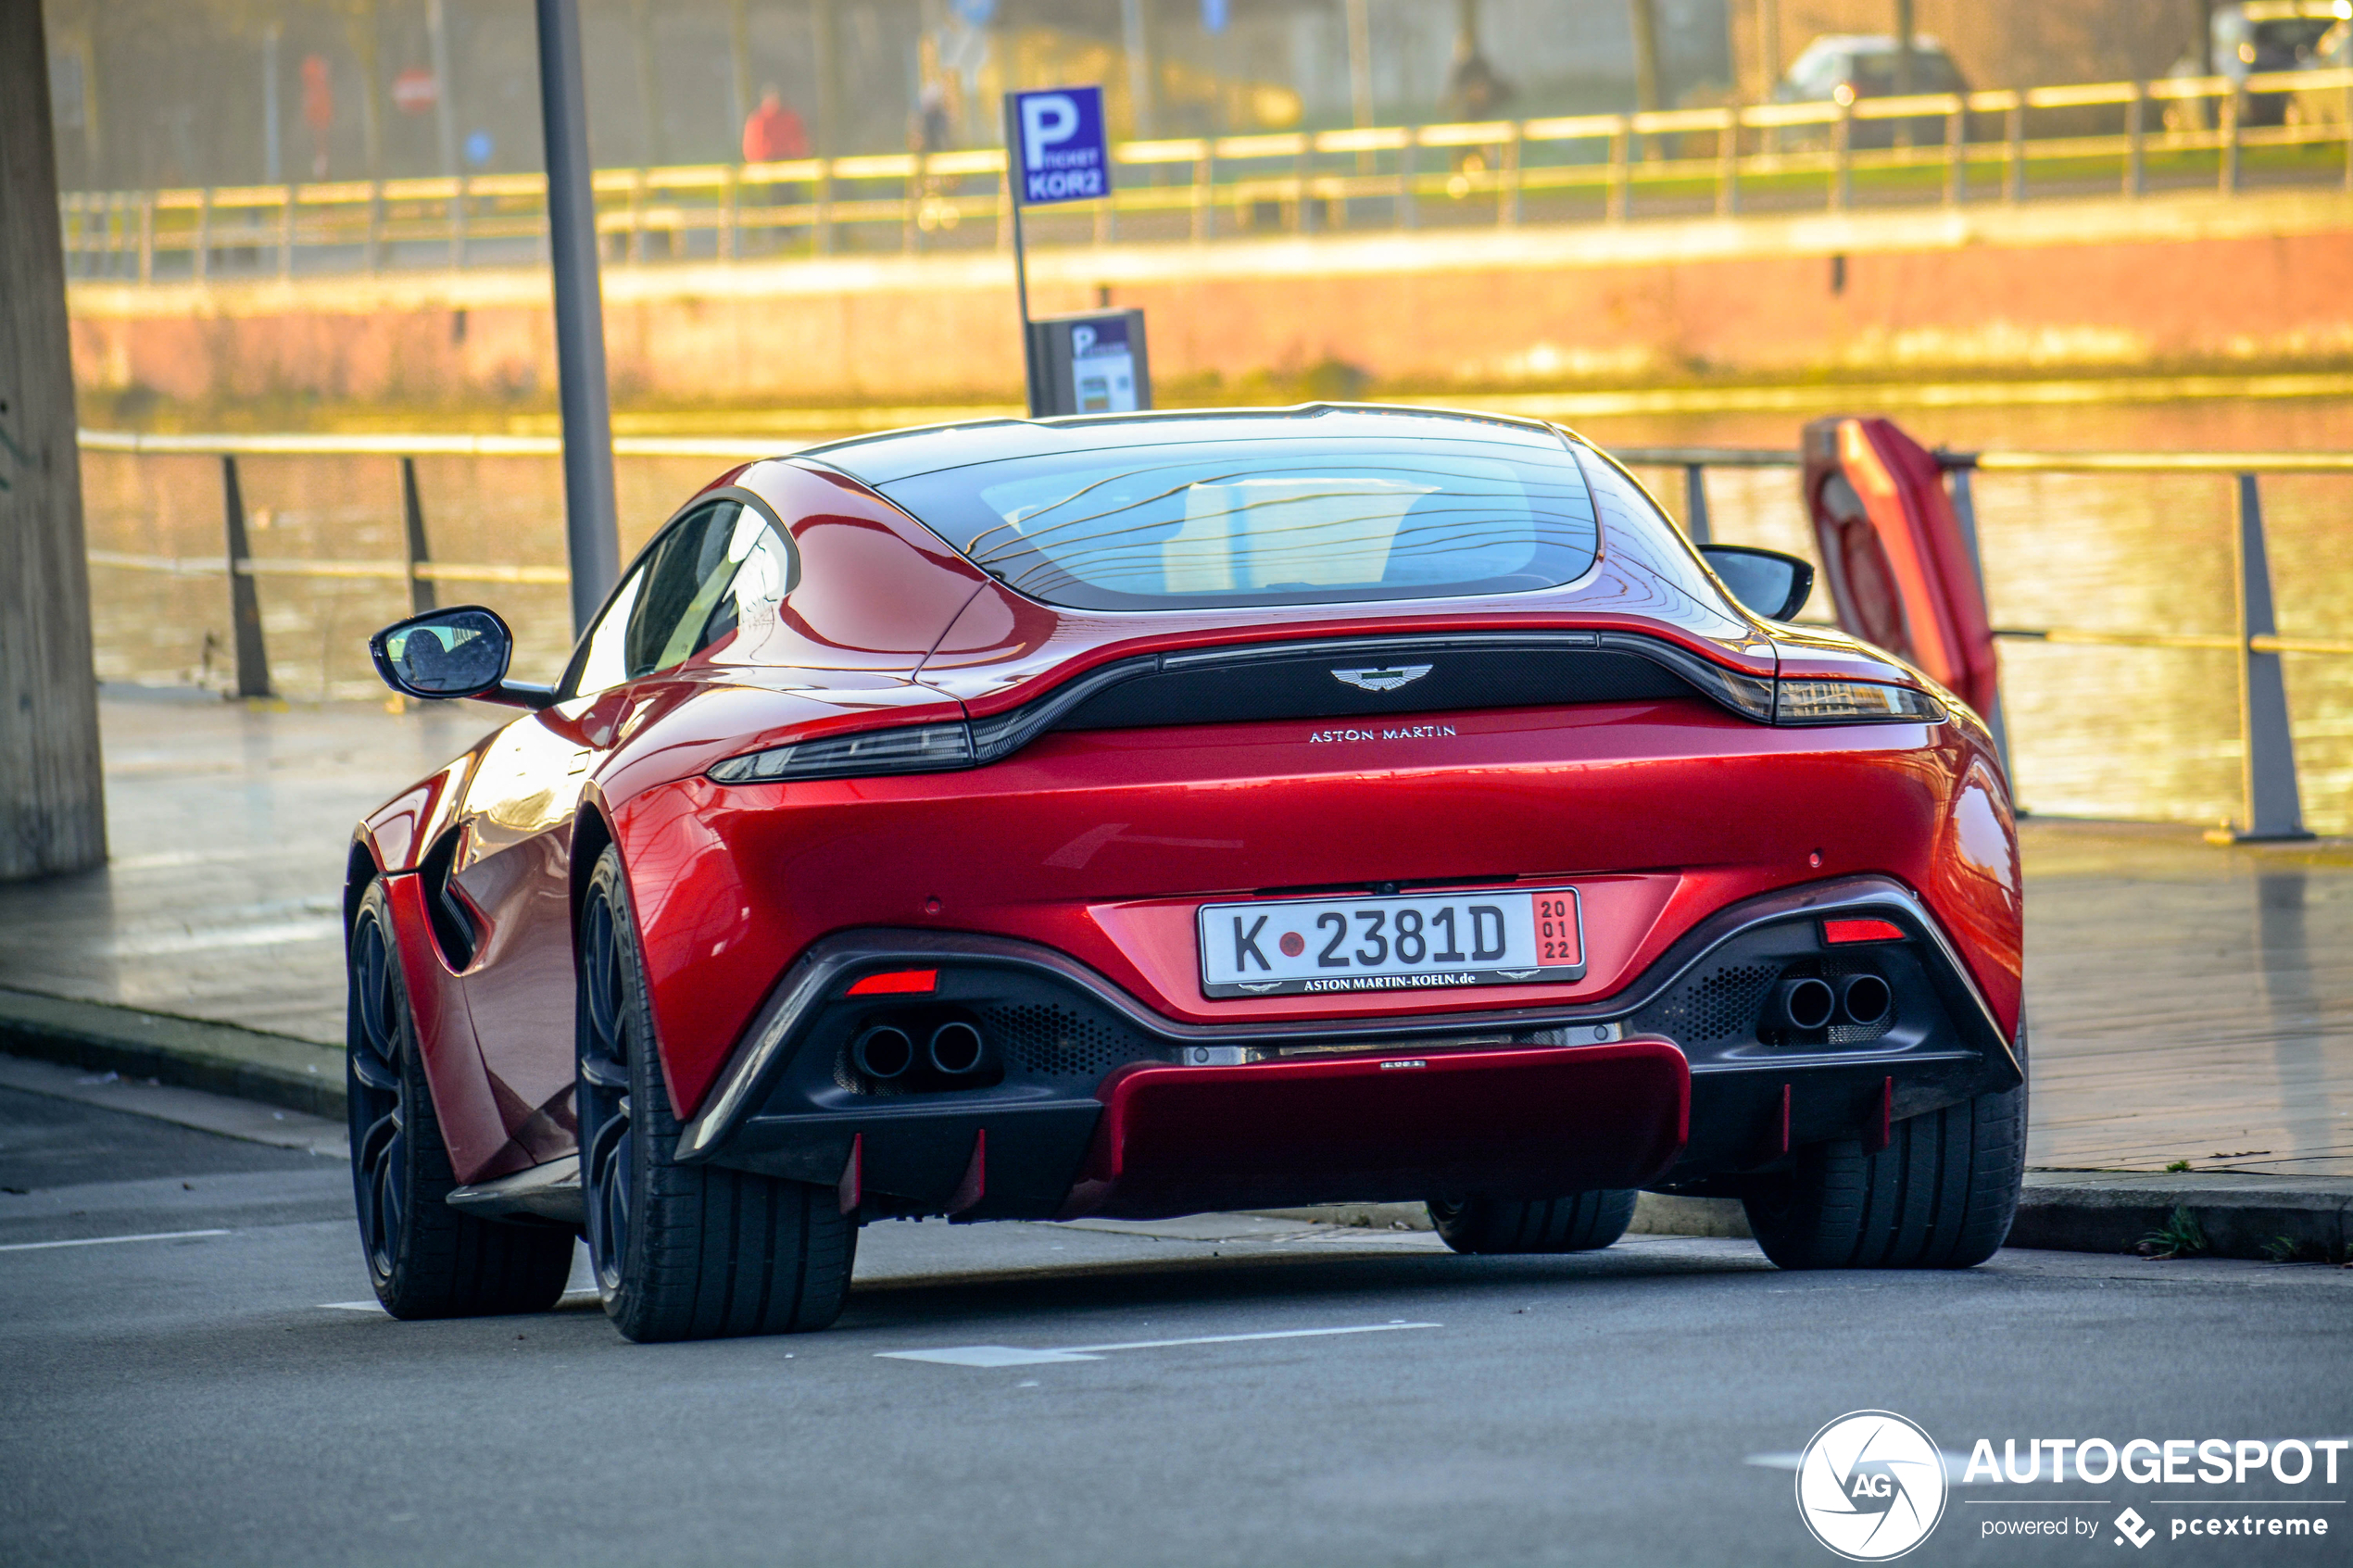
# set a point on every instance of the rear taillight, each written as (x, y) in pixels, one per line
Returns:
(1853, 702)
(913, 748)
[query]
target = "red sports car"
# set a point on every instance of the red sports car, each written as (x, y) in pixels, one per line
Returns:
(1165, 812)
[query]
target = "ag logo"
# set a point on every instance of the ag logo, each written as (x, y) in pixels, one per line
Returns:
(1871, 1486)
(1382, 679)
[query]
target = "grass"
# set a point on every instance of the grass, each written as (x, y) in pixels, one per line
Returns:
(2180, 1236)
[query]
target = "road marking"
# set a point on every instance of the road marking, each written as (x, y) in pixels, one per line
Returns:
(569, 1299)
(105, 1241)
(1011, 1355)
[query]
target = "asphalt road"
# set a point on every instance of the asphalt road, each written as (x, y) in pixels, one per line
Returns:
(230, 1395)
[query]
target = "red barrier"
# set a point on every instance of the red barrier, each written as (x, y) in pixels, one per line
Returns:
(1899, 567)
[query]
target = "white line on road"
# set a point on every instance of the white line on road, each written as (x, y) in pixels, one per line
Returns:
(105, 1241)
(1009, 1355)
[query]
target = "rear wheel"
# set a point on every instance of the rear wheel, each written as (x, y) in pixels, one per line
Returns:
(425, 1259)
(682, 1251)
(1583, 1222)
(1940, 1195)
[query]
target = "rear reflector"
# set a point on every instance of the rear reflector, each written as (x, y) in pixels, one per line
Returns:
(1837, 931)
(898, 982)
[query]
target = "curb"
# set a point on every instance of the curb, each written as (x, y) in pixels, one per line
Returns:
(2263, 1219)
(2225, 1214)
(221, 1058)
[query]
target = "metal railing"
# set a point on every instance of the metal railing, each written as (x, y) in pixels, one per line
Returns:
(1943, 148)
(2272, 806)
(2272, 800)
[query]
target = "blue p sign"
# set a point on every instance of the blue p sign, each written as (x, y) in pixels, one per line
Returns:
(1058, 150)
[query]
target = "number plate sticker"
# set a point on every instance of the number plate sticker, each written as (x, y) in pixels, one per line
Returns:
(1293, 947)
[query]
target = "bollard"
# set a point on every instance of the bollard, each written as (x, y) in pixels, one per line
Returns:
(2274, 809)
(244, 605)
(1965, 513)
(1696, 504)
(422, 597)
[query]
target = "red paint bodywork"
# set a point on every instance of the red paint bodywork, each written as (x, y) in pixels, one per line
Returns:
(1099, 843)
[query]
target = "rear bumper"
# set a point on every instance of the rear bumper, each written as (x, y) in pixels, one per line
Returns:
(1099, 1105)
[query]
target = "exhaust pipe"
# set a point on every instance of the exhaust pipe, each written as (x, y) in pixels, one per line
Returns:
(1804, 1004)
(1864, 998)
(957, 1048)
(883, 1052)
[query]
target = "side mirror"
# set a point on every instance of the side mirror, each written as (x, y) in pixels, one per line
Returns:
(1766, 582)
(451, 653)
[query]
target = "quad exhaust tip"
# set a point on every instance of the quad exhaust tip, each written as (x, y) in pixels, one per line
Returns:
(1865, 999)
(1805, 1003)
(883, 1052)
(957, 1048)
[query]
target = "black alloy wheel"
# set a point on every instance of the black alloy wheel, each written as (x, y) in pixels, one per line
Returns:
(681, 1251)
(424, 1258)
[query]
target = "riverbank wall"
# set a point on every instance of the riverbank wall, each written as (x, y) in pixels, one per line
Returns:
(2051, 287)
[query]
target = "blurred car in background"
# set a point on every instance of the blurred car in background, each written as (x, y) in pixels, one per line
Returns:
(1845, 67)
(2259, 37)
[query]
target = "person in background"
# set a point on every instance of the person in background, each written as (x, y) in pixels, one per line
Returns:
(773, 133)
(934, 129)
(318, 110)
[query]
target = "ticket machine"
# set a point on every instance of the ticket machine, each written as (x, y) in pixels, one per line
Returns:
(1091, 363)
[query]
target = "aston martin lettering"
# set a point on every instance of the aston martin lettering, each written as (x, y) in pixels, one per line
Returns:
(1387, 731)
(1386, 678)
(1482, 936)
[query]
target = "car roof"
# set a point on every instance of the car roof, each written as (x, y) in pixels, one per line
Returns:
(881, 460)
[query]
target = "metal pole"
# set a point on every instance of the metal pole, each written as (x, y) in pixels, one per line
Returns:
(2274, 809)
(2137, 182)
(1360, 74)
(1696, 504)
(591, 534)
(445, 109)
(270, 140)
(1020, 258)
(445, 125)
(1137, 44)
(422, 597)
(244, 605)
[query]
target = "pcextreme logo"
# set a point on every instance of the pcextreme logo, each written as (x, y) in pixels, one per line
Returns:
(1871, 1486)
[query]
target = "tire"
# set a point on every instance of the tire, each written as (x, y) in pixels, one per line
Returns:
(681, 1251)
(1583, 1222)
(425, 1259)
(1940, 1195)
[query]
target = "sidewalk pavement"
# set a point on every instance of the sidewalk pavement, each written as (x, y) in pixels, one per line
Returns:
(2189, 1003)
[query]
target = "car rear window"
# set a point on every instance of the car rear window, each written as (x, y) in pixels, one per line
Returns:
(1236, 524)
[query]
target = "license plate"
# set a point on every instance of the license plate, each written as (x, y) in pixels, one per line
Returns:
(1287, 947)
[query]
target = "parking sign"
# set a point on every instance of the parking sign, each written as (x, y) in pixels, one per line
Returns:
(1059, 145)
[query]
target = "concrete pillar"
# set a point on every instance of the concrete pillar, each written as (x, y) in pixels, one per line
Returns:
(52, 799)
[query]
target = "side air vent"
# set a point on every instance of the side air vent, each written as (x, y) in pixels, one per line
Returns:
(453, 928)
